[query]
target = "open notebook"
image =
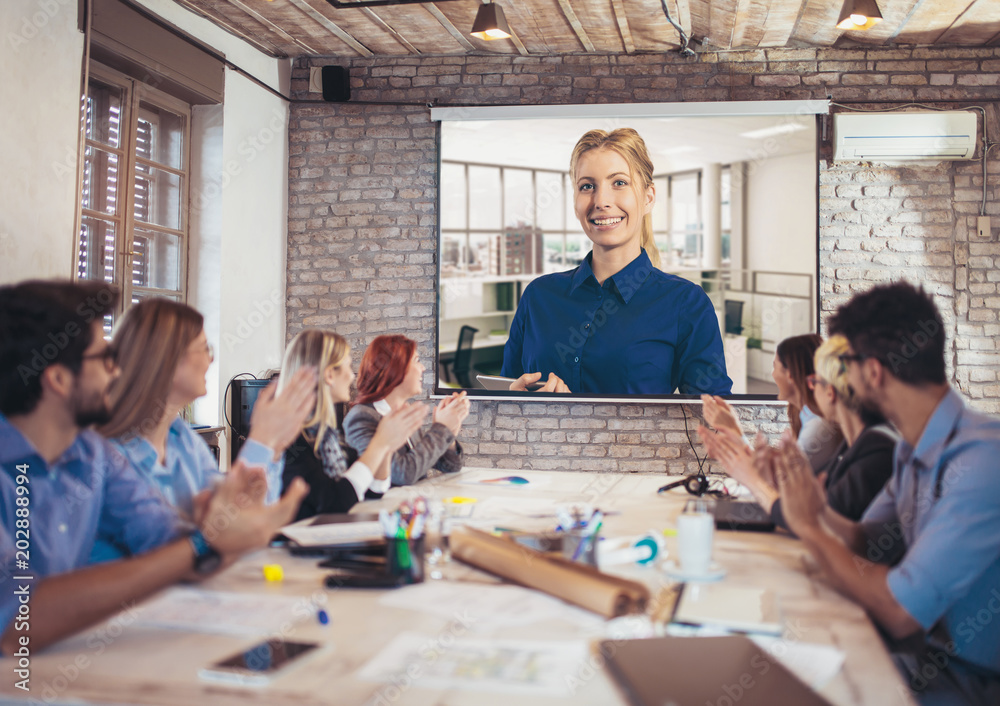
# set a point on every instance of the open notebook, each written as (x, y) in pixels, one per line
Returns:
(694, 671)
(729, 606)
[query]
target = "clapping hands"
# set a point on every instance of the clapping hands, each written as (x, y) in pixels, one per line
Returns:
(452, 411)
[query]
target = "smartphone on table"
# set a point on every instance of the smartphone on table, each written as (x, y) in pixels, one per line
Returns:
(258, 665)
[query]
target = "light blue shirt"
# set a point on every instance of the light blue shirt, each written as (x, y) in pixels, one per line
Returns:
(941, 507)
(189, 468)
(90, 492)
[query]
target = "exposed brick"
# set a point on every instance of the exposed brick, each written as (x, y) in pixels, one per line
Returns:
(362, 191)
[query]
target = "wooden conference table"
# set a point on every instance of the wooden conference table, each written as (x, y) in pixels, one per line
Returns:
(124, 661)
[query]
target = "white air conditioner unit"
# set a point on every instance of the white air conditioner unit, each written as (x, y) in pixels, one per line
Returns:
(891, 137)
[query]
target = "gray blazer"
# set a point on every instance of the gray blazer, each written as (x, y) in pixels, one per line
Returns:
(428, 448)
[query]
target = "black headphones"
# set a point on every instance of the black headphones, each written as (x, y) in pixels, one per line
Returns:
(696, 485)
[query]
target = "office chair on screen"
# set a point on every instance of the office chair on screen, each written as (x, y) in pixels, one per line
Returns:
(734, 317)
(462, 367)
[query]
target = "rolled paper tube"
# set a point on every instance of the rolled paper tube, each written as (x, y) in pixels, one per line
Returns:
(575, 583)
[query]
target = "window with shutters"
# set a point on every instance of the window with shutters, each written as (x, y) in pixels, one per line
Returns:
(134, 187)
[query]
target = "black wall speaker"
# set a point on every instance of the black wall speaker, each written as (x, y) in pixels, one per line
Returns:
(336, 84)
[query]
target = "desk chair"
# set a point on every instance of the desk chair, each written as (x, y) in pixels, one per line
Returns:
(734, 317)
(462, 367)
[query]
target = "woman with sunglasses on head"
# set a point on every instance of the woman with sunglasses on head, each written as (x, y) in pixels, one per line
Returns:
(390, 375)
(817, 436)
(164, 356)
(862, 463)
(338, 478)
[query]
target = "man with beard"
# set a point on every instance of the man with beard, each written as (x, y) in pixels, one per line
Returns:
(62, 486)
(924, 560)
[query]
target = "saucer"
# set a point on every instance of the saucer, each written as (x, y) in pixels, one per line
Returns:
(715, 572)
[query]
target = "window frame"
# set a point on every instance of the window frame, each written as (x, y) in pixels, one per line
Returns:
(134, 93)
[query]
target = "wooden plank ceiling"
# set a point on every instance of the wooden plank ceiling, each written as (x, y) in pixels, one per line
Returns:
(549, 27)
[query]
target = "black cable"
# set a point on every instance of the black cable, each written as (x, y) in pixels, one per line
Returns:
(687, 432)
(225, 407)
(683, 51)
(697, 484)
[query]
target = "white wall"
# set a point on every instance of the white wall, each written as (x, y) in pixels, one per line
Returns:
(237, 258)
(41, 58)
(255, 224)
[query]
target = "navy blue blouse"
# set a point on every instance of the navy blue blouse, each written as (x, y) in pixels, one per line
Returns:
(643, 332)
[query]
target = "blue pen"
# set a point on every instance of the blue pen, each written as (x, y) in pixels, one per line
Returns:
(589, 539)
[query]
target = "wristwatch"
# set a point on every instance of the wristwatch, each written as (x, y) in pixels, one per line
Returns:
(206, 558)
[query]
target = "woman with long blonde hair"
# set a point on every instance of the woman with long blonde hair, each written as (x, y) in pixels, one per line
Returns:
(616, 323)
(319, 454)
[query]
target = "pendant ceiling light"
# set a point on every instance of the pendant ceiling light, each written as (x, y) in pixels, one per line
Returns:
(859, 14)
(490, 23)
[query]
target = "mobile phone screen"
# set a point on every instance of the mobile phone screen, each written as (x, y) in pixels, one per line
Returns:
(259, 662)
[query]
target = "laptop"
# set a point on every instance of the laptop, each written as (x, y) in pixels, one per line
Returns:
(694, 671)
(742, 515)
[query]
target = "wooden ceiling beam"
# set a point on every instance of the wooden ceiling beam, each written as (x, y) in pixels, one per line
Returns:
(395, 35)
(780, 21)
(255, 41)
(332, 27)
(522, 50)
(683, 16)
(978, 14)
(574, 22)
(275, 28)
(447, 24)
(618, 8)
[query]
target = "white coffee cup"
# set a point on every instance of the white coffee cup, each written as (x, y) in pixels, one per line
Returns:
(695, 533)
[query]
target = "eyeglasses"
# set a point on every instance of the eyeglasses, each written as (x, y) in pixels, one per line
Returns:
(846, 358)
(109, 355)
(813, 380)
(207, 349)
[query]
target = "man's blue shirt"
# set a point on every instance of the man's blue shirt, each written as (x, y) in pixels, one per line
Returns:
(90, 492)
(941, 508)
(643, 332)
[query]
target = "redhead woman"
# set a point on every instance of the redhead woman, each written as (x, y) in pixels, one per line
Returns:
(337, 481)
(390, 375)
(164, 356)
(617, 323)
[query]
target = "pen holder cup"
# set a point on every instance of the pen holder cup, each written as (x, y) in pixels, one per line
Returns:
(405, 558)
(580, 545)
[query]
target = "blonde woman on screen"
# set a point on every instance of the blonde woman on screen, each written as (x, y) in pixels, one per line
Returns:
(616, 323)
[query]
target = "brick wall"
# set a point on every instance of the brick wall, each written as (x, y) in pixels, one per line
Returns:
(362, 226)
